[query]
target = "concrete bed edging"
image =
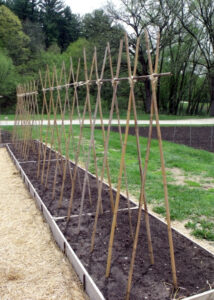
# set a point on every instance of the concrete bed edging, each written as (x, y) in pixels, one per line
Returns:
(88, 284)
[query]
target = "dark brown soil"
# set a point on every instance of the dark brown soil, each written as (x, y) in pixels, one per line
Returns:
(46, 192)
(194, 265)
(196, 137)
(5, 137)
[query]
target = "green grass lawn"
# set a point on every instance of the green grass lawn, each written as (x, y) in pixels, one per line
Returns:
(192, 200)
(141, 116)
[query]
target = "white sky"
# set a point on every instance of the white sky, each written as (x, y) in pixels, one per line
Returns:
(86, 6)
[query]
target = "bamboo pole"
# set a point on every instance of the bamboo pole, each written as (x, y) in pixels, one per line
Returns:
(121, 143)
(28, 117)
(50, 106)
(111, 240)
(37, 117)
(143, 190)
(93, 81)
(153, 84)
(103, 129)
(25, 109)
(22, 115)
(67, 139)
(17, 139)
(44, 106)
(49, 155)
(82, 144)
(90, 114)
(30, 124)
(73, 141)
(89, 111)
(79, 118)
(78, 147)
(17, 115)
(115, 84)
(47, 111)
(62, 128)
(16, 134)
(70, 132)
(22, 122)
(52, 131)
(27, 112)
(58, 151)
(92, 133)
(62, 110)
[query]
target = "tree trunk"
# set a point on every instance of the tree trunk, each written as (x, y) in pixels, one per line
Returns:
(211, 81)
(172, 95)
(144, 70)
(158, 83)
(148, 96)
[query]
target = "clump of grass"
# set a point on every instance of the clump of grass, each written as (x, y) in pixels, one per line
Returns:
(202, 229)
(159, 209)
(192, 183)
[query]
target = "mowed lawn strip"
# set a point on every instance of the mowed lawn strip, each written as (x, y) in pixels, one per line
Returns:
(123, 115)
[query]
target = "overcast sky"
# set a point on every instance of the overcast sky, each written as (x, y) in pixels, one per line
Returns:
(86, 6)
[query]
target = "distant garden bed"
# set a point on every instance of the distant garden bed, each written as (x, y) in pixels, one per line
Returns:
(193, 136)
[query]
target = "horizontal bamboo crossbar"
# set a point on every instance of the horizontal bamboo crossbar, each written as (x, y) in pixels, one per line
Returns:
(97, 82)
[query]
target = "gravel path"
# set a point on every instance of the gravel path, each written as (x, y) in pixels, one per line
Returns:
(31, 265)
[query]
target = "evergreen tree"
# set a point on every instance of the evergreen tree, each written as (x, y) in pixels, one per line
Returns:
(24, 9)
(37, 40)
(69, 28)
(100, 29)
(51, 12)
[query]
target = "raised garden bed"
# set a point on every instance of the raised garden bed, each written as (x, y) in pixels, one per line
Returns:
(30, 168)
(5, 137)
(193, 136)
(194, 264)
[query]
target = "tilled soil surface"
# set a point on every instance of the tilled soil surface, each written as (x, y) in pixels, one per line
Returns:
(196, 137)
(5, 136)
(194, 265)
(46, 193)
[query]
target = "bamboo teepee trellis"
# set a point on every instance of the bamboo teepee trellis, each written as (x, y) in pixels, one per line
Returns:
(37, 126)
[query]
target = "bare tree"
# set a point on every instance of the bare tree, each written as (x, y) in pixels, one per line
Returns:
(197, 18)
